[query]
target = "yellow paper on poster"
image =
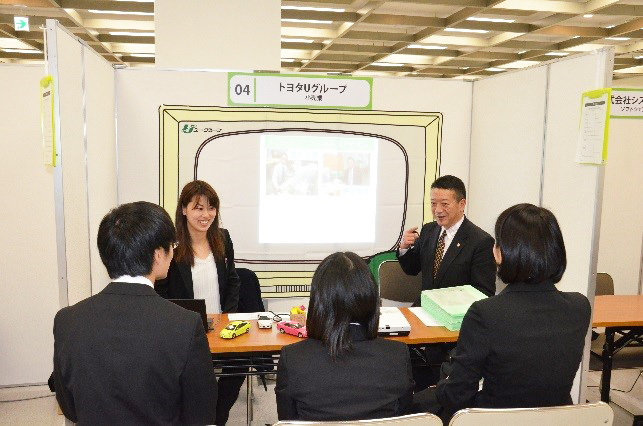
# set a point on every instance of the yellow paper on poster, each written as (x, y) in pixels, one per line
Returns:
(47, 120)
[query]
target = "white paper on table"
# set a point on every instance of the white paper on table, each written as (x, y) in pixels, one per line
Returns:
(252, 316)
(424, 316)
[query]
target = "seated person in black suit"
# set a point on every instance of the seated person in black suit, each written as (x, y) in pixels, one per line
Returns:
(343, 371)
(526, 342)
(126, 355)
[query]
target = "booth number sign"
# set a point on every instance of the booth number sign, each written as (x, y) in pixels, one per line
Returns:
(280, 90)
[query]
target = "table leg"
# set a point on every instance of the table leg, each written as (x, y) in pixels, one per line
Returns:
(608, 354)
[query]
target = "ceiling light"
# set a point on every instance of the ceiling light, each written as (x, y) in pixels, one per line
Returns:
(556, 54)
(287, 60)
(610, 26)
(465, 30)
(327, 41)
(120, 12)
(130, 33)
(589, 15)
(317, 9)
(576, 37)
(427, 47)
(141, 55)
(464, 68)
(491, 20)
(617, 38)
(636, 57)
(21, 50)
(307, 21)
(297, 40)
(494, 69)
(386, 64)
(522, 51)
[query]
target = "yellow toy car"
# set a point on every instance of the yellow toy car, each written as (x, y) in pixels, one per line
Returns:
(234, 329)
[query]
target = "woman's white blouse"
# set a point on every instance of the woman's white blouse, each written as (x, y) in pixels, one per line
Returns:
(206, 283)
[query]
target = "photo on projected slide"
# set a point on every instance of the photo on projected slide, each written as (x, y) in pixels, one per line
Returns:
(310, 180)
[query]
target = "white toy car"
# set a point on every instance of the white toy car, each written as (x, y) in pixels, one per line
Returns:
(264, 321)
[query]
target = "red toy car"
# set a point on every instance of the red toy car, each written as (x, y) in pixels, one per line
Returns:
(292, 327)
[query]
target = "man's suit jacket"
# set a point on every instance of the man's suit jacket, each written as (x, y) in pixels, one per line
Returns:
(527, 343)
(127, 356)
(469, 259)
(179, 285)
(373, 380)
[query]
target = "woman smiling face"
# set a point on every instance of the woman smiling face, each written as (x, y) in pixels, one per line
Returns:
(199, 214)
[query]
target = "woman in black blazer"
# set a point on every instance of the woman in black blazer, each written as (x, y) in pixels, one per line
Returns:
(203, 268)
(343, 371)
(526, 342)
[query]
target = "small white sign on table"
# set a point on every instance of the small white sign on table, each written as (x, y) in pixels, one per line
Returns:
(310, 91)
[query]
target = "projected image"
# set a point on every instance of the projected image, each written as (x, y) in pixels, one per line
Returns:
(323, 180)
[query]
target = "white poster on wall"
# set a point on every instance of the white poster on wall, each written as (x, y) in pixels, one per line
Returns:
(626, 103)
(592, 135)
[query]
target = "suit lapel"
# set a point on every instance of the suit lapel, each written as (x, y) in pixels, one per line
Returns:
(186, 275)
(459, 240)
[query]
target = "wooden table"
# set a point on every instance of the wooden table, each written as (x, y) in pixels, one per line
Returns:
(623, 314)
(270, 340)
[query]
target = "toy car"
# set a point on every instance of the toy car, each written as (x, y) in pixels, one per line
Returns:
(264, 321)
(292, 327)
(234, 329)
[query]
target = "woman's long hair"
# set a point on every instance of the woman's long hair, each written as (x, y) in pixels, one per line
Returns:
(184, 252)
(342, 291)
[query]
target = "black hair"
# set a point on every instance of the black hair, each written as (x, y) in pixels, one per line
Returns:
(342, 291)
(531, 245)
(128, 236)
(453, 183)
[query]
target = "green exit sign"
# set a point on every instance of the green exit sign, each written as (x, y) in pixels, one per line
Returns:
(21, 23)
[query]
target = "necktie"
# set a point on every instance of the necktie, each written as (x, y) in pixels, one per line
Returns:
(439, 252)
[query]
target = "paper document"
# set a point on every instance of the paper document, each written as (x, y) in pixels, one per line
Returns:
(592, 135)
(423, 316)
(252, 316)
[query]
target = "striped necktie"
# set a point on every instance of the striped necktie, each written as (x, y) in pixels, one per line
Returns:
(439, 252)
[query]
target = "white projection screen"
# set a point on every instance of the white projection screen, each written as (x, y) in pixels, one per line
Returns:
(296, 185)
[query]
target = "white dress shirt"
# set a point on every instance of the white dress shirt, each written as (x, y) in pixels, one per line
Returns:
(447, 239)
(205, 282)
(130, 279)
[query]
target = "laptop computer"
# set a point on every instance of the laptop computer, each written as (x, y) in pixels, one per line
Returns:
(196, 305)
(393, 323)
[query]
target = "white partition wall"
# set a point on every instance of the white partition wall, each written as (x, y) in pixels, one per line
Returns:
(101, 153)
(620, 252)
(28, 266)
(506, 143)
(85, 185)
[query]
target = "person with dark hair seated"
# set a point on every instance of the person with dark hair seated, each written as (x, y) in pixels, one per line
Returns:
(527, 342)
(126, 355)
(343, 371)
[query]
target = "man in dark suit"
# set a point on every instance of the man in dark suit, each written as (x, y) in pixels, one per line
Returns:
(451, 251)
(126, 355)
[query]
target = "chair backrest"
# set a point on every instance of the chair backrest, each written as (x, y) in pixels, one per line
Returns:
(249, 292)
(421, 419)
(596, 414)
(604, 284)
(396, 285)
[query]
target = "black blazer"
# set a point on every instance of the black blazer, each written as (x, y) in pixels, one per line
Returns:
(469, 259)
(179, 285)
(127, 356)
(527, 343)
(373, 380)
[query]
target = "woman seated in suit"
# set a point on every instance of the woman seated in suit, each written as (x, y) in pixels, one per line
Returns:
(343, 371)
(526, 342)
(203, 268)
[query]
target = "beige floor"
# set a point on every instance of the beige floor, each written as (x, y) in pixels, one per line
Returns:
(43, 411)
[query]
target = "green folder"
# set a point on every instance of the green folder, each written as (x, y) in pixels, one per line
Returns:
(448, 305)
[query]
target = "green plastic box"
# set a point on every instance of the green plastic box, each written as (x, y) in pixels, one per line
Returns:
(448, 305)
